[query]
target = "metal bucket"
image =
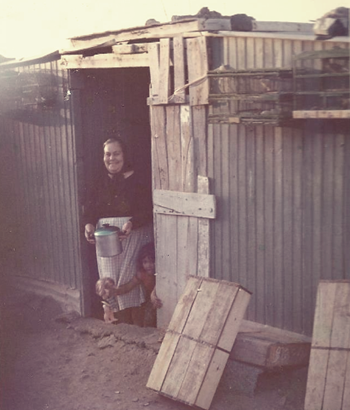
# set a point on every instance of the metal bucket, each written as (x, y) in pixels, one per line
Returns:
(107, 241)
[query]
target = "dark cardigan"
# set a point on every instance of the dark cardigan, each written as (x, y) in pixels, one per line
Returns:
(117, 196)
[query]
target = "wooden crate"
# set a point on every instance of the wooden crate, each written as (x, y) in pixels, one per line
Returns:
(199, 340)
(328, 384)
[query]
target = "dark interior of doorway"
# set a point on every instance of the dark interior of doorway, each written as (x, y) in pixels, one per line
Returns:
(113, 104)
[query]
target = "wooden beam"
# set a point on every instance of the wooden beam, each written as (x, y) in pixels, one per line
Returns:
(282, 26)
(321, 114)
(104, 61)
(167, 30)
(130, 48)
(184, 203)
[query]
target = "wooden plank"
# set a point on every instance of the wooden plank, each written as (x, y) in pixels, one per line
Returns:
(167, 280)
(321, 338)
(216, 319)
(162, 361)
(270, 347)
(104, 61)
(346, 395)
(184, 203)
(178, 367)
(164, 71)
(234, 319)
(321, 114)
(202, 305)
(153, 53)
(179, 70)
(211, 381)
(192, 246)
(160, 169)
(195, 375)
(130, 48)
(174, 146)
(187, 151)
(275, 26)
(197, 62)
(184, 305)
(199, 131)
(203, 233)
(340, 339)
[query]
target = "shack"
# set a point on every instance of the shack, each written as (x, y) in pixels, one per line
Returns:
(244, 136)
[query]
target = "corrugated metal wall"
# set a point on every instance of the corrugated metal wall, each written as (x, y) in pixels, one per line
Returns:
(38, 177)
(283, 198)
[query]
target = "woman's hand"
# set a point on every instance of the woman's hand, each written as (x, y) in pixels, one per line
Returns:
(89, 233)
(126, 230)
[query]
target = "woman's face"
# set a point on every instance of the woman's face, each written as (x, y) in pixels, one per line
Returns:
(113, 157)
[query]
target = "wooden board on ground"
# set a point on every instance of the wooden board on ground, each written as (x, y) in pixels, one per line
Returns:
(198, 341)
(269, 347)
(328, 382)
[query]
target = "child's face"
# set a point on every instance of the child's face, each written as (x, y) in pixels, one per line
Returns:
(148, 265)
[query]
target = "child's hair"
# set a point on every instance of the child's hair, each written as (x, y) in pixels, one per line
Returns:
(103, 285)
(146, 250)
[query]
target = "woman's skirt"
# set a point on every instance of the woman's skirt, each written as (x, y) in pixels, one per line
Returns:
(122, 268)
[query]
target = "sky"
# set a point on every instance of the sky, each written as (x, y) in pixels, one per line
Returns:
(30, 28)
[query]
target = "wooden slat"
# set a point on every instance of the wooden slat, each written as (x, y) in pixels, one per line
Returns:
(212, 379)
(203, 233)
(195, 375)
(187, 151)
(201, 308)
(174, 132)
(216, 319)
(234, 318)
(179, 69)
(104, 61)
(184, 305)
(326, 383)
(197, 62)
(162, 361)
(321, 114)
(159, 148)
(282, 26)
(178, 367)
(130, 48)
(164, 71)
(153, 54)
(184, 203)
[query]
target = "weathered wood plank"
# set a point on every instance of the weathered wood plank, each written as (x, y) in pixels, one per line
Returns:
(187, 150)
(216, 319)
(234, 319)
(164, 71)
(104, 61)
(130, 48)
(282, 26)
(211, 381)
(195, 375)
(178, 367)
(203, 233)
(184, 203)
(153, 54)
(162, 361)
(179, 70)
(197, 62)
(201, 308)
(160, 169)
(174, 146)
(321, 114)
(199, 130)
(184, 305)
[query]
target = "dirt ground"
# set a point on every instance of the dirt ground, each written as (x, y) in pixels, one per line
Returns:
(56, 361)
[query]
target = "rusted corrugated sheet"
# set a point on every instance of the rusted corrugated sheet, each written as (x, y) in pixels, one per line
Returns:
(283, 198)
(37, 143)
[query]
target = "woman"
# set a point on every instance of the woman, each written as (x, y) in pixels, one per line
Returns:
(121, 198)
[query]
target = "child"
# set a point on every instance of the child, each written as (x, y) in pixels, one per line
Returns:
(105, 288)
(146, 316)
(146, 275)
